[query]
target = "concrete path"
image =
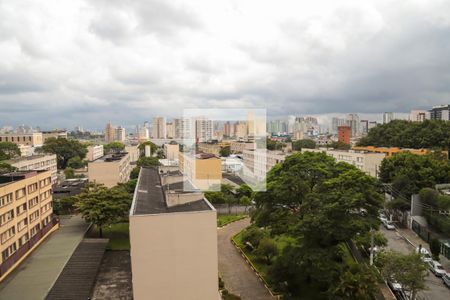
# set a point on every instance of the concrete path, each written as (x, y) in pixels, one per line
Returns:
(238, 276)
(36, 275)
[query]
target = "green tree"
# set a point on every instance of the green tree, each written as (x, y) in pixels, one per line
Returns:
(76, 163)
(244, 190)
(305, 143)
(64, 149)
(339, 145)
(134, 174)
(408, 270)
(215, 197)
(225, 151)
(148, 162)
(321, 204)
(8, 150)
(405, 134)
(253, 235)
(69, 173)
(6, 168)
(268, 249)
(113, 147)
(435, 248)
(160, 153)
(246, 201)
(357, 282)
(153, 148)
(274, 145)
(409, 173)
(102, 206)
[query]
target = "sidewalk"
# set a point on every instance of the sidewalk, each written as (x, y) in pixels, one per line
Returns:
(415, 240)
(36, 275)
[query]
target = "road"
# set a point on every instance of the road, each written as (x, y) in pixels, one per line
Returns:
(238, 276)
(436, 288)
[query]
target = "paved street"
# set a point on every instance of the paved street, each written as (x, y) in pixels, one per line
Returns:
(238, 276)
(436, 289)
(36, 275)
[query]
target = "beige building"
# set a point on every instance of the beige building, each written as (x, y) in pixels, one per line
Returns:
(94, 152)
(171, 151)
(241, 130)
(170, 130)
(37, 162)
(110, 169)
(209, 148)
(173, 239)
(34, 139)
(159, 130)
(367, 162)
(258, 162)
(120, 134)
(239, 147)
(54, 134)
(25, 215)
(134, 153)
(204, 170)
(110, 133)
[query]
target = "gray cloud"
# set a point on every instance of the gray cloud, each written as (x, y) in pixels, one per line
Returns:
(88, 62)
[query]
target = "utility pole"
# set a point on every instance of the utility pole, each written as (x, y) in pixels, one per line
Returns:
(371, 246)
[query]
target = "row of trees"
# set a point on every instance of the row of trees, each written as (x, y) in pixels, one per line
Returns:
(231, 196)
(406, 134)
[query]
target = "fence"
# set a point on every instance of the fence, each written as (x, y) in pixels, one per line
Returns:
(16, 256)
(427, 236)
(222, 209)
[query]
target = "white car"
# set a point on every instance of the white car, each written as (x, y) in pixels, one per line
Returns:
(388, 225)
(382, 218)
(446, 279)
(436, 268)
(425, 255)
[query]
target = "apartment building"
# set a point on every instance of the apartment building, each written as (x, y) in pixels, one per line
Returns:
(34, 139)
(390, 151)
(110, 169)
(159, 129)
(171, 151)
(173, 240)
(134, 153)
(94, 152)
(210, 148)
(344, 134)
(368, 162)
(37, 162)
(239, 147)
(54, 134)
(25, 215)
(440, 112)
(258, 162)
(110, 133)
(202, 169)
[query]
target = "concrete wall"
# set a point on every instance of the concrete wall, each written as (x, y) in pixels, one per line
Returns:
(174, 256)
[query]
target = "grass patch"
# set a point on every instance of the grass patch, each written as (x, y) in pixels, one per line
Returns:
(118, 234)
(223, 220)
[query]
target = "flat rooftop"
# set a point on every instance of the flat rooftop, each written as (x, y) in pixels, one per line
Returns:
(12, 177)
(111, 157)
(27, 158)
(149, 197)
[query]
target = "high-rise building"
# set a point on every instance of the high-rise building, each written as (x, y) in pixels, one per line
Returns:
(441, 112)
(353, 122)
(364, 125)
(170, 130)
(344, 134)
(228, 129)
(372, 124)
(335, 123)
(240, 130)
(120, 135)
(159, 129)
(110, 133)
(183, 128)
(418, 115)
(388, 117)
(203, 129)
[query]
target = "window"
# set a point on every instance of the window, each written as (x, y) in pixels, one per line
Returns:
(46, 207)
(7, 199)
(32, 188)
(35, 229)
(34, 216)
(22, 224)
(7, 234)
(45, 195)
(8, 251)
(33, 202)
(21, 209)
(20, 193)
(6, 217)
(23, 239)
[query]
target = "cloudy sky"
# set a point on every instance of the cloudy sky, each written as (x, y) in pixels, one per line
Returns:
(69, 62)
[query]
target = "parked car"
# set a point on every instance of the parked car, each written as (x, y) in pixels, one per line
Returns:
(425, 255)
(388, 225)
(446, 279)
(397, 289)
(436, 268)
(382, 217)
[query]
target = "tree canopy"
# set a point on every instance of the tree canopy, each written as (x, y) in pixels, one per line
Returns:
(64, 149)
(76, 163)
(274, 145)
(103, 206)
(225, 151)
(409, 173)
(148, 162)
(6, 168)
(8, 150)
(153, 147)
(321, 204)
(406, 134)
(113, 147)
(305, 143)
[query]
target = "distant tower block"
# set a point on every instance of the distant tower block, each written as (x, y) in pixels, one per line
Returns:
(148, 151)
